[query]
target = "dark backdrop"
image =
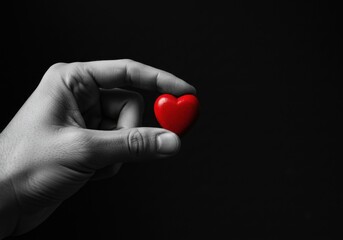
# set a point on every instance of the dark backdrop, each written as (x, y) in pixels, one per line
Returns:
(262, 161)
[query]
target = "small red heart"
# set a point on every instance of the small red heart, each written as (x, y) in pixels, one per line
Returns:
(176, 114)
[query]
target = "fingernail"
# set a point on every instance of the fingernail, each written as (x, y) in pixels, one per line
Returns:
(168, 143)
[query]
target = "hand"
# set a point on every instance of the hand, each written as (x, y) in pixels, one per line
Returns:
(77, 125)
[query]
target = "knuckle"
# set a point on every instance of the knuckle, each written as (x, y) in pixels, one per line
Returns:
(77, 65)
(66, 71)
(75, 69)
(127, 60)
(55, 69)
(136, 142)
(74, 75)
(57, 66)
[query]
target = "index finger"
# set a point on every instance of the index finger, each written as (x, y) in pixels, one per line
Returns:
(118, 73)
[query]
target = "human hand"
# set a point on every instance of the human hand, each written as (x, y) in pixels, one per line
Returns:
(77, 125)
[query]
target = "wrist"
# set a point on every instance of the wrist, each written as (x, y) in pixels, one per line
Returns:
(8, 203)
(8, 211)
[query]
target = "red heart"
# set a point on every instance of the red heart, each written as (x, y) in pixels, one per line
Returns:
(176, 114)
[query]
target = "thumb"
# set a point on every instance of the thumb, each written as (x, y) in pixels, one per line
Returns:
(127, 145)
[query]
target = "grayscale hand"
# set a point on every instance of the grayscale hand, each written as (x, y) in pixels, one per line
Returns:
(77, 125)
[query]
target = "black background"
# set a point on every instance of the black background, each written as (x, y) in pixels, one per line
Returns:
(263, 159)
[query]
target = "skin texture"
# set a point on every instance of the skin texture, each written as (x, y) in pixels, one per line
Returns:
(77, 125)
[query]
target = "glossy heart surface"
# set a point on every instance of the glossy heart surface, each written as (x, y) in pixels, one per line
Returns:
(176, 114)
